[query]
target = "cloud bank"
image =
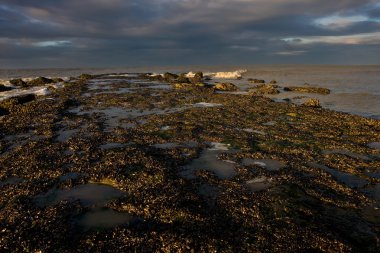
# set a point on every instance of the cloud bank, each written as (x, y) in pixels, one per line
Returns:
(64, 33)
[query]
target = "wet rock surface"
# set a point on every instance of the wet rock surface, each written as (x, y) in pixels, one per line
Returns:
(95, 167)
(307, 89)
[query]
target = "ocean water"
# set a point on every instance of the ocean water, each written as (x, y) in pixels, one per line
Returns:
(354, 89)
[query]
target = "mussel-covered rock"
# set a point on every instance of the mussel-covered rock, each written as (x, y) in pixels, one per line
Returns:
(307, 89)
(226, 87)
(312, 102)
(40, 81)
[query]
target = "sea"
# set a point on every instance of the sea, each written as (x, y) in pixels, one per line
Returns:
(354, 89)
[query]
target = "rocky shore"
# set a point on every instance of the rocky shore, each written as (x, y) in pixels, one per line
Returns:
(175, 163)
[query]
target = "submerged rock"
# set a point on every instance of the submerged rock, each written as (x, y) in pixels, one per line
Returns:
(226, 87)
(308, 89)
(312, 102)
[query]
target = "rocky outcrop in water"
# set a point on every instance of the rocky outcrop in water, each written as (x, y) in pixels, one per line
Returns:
(4, 88)
(39, 81)
(226, 87)
(265, 89)
(312, 102)
(18, 82)
(307, 89)
(252, 80)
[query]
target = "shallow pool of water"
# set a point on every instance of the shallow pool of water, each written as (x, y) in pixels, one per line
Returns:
(208, 160)
(91, 194)
(259, 184)
(348, 179)
(104, 218)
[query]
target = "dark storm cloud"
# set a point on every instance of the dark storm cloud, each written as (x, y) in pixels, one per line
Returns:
(169, 32)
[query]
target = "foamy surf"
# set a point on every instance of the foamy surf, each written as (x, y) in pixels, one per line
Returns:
(38, 91)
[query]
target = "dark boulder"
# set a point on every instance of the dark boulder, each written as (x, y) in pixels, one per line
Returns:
(197, 78)
(85, 76)
(39, 81)
(4, 88)
(18, 82)
(182, 79)
(25, 98)
(170, 76)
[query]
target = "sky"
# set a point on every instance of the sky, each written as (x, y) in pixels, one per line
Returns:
(110, 33)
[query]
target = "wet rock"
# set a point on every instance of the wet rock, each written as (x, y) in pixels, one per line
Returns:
(85, 76)
(58, 80)
(252, 80)
(159, 78)
(182, 85)
(18, 82)
(197, 78)
(226, 87)
(39, 81)
(307, 89)
(4, 88)
(25, 98)
(265, 89)
(3, 111)
(13, 101)
(273, 82)
(182, 79)
(312, 102)
(170, 76)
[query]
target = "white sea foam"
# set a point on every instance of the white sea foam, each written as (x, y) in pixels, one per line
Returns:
(123, 75)
(38, 91)
(204, 104)
(230, 75)
(18, 92)
(219, 146)
(156, 74)
(190, 74)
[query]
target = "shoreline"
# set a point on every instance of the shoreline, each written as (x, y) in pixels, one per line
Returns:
(185, 167)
